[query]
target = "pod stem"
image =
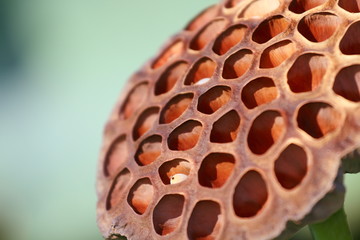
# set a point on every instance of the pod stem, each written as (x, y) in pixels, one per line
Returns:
(334, 228)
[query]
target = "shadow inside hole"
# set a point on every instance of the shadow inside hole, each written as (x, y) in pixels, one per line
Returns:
(350, 6)
(250, 195)
(226, 128)
(307, 73)
(149, 150)
(175, 107)
(214, 99)
(347, 83)
(141, 195)
(204, 222)
(258, 92)
(167, 214)
(350, 43)
(318, 119)
(215, 169)
(265, 131)
(116, 156)
(291, 166)
(186, 136)
(117, 190)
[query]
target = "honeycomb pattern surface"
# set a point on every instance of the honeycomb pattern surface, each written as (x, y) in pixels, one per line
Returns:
(237, 126)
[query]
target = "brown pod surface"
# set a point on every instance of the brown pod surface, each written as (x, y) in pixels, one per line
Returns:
(237, 128)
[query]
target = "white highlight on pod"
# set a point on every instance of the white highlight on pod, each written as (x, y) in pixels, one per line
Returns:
(202, 81)
(178, 178)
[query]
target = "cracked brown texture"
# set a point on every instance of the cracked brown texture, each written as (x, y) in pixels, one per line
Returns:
(253, 105)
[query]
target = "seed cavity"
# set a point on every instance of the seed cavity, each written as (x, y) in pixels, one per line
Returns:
(207, 34)
(214, 99)
(237, 64)
(202, 69)
(250, 195)
(347, 83)
(175, 107)
(145, 122)
(291, 166)
(307, 72)
(117, 190)
(149, 150)
(186, 136)
(266, 129)
(318, 119)
(300, 6)
(173, 51)
(216, 169)
(229, 38)
(276, 54)
(135, 99)
(141, 195)
(205, 221)
(167, 214)
(258, 92)
(259, 8)
(270, 28)
(174, 171)
(319, 27)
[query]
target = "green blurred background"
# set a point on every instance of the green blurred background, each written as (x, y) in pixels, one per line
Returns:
(62, 66)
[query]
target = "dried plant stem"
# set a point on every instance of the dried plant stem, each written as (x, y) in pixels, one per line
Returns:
(334, 228)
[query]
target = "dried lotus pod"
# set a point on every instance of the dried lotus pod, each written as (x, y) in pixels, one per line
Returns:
(237, 128)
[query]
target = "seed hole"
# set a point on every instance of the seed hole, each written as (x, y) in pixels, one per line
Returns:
(350, 5)
(135, 99)
(250, 195)
(167, 214)
(226, 128)
(141, 195)
(214, 99)
(176, 107)
(205, 221)
(270, 28)
(145, 122)
(300, 6)
(318, 27)
(259, 8)
(170, 77)
(350, 43)
(116, 156)
(232, 3)
(291, 166)
(237, 64)
(276, 54)
(174, 167)
(202, 69)
(185, 136)
(265, 131)
(318, 119)
(347, 83)
(207, 34)
(215, 169)
(307, 72)
(258, 92)
(203, 18)
(229, 39)
(117, 190)
(173, 51)
(149, 150)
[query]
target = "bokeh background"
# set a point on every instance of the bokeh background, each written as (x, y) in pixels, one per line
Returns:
(62, 66)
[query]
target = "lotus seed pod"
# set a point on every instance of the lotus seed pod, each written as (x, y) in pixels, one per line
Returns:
(237, 128)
